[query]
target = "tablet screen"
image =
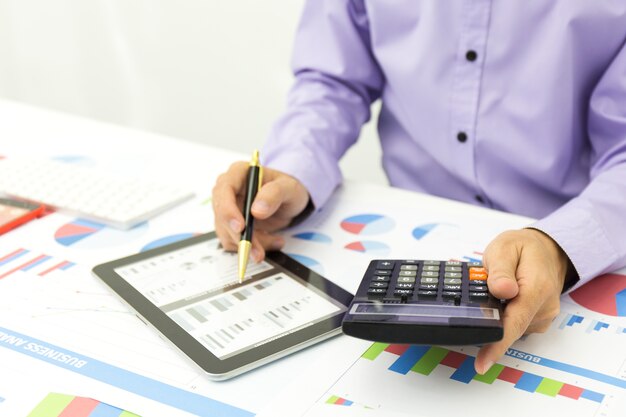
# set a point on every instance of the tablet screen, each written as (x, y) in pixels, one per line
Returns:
(198, 287)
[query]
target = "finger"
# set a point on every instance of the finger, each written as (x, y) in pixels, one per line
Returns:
(539, 326)
(263, 241)
(275, 194)
(516, 319)
(501, 258)
(228, 217)
(226, 240)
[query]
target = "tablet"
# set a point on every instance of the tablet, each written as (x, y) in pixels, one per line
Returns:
(190, 293)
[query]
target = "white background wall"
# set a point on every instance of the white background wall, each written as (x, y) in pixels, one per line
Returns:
(212, 71)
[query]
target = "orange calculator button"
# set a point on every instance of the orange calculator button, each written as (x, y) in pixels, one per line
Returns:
(477, 274)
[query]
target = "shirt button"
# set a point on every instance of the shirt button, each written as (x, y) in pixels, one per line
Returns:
(479, 198)
(461, 137)
(471, 55)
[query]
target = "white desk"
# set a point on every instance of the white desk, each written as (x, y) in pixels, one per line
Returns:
(68, 309)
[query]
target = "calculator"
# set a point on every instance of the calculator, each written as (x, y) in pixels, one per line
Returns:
(425, 302)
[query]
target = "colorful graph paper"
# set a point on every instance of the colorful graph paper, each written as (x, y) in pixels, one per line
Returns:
(62, 405)
(333, 399)
(424, 359)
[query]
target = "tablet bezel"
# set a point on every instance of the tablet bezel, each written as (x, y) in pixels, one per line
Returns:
(214, 367)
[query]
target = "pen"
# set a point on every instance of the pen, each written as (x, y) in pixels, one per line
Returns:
(255, 178)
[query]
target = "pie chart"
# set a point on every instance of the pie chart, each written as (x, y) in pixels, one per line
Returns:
(605, 294)
(370, 247)
(368, 224)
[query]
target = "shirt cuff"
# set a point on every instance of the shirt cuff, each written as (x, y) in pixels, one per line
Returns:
(583, 239)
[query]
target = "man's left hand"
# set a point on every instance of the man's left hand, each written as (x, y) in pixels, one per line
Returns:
(528, 268)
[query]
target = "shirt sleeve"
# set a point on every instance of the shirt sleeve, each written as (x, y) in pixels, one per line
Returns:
(591, 228)
(336, 81)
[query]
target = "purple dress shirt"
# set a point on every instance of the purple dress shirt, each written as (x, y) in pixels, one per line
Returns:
(515, 105)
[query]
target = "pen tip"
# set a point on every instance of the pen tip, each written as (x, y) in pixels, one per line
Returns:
(244, 252)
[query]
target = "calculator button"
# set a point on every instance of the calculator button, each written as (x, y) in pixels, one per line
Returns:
(478, 288)
(377, 291)
(408, 273)
(382, 272)
(477, 277)
(429, 280)
(452, 275)
(405, 285)
(403, 292)
(427, 294)
(479, 295)
(477, 270)
(451, 294)
(432, 263)
(451, 287)
(477, 264)
(379, 284)
(381, 278)
(453, 269)
(453, 263)
(410, 262)
(428, 287)
(430, 274)
(406, 279)
(478, 282)
(408, 267)
(452, 281)
(434, 268)
(384, 265)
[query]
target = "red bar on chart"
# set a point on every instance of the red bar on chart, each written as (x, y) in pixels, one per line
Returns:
(453, 359)
(571, 391)
(397, 349)
(510, 375)
(79, 407)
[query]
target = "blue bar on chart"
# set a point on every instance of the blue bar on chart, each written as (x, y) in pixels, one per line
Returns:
(596, 326)
(570, 320)
(528, 382)
(466, 372)
(592, 395)
(410, 357)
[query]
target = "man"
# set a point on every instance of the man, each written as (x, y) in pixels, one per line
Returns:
(514, 105)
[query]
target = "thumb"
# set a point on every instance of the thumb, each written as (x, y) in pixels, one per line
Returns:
(501, 259)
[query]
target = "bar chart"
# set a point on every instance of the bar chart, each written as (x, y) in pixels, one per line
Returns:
(25, 260)
(397, 380)
(424, 359)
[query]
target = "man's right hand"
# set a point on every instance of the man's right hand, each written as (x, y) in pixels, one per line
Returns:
(280, 199)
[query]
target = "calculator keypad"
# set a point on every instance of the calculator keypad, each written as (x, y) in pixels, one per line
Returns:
(412, 280)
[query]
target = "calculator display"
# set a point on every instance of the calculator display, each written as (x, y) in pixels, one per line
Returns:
(424, 310)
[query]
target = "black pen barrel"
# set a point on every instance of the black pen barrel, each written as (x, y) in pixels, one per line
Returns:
(251, 190)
